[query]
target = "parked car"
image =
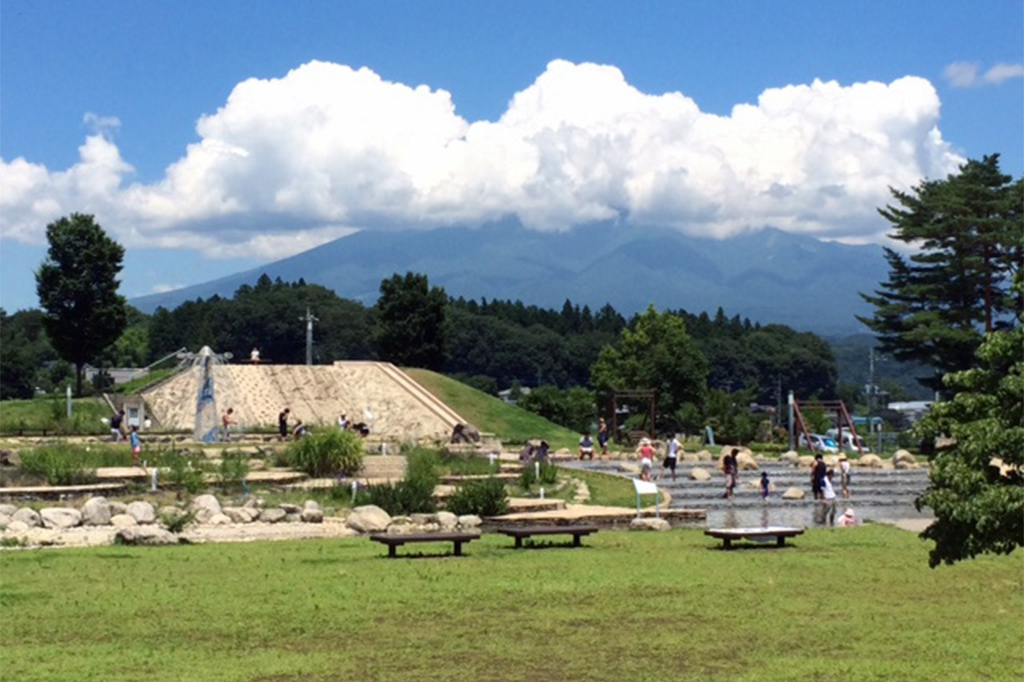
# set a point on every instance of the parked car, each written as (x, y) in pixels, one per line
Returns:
(819, 443)
(849, 441)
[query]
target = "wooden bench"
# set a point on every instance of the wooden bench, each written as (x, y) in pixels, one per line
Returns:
(727, 535)
(394, 541)
(519, 533)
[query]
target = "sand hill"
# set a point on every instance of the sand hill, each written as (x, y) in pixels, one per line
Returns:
(388, 400)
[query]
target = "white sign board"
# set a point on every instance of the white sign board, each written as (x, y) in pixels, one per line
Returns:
(645, 487)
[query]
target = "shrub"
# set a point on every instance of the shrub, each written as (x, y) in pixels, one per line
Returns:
(548, 473)
(234, 467)
(413, 495)
(184, 472)
(528, 476)
(59, 464)
(327, 453)
(486, 497)
(176, 523)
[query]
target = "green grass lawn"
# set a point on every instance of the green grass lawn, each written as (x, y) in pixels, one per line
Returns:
(490, 415)
(48, 414)
(853, 604)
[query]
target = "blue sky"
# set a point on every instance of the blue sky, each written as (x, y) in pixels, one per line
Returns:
(314, 150)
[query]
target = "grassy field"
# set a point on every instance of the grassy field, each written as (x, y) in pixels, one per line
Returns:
(509, 423)
(50, 415)
(853, 604)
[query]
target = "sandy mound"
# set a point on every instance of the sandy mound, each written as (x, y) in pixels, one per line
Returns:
(388, 400)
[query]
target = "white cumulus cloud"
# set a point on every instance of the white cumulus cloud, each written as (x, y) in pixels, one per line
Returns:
(289, 163)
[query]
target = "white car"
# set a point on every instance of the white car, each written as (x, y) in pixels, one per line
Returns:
(850, 442)
(819, 443)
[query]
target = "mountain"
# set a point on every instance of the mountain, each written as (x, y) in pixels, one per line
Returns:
(768, 276)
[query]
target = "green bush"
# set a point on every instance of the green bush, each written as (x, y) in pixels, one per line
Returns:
(233, 469)
(485, 497)
(184, 471)
(413, 495)
(548, 473)
(60, 464)
(326, 453)
(176, 523)
(528, 476)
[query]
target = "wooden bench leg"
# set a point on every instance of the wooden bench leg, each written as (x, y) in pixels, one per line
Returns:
(781, 542)
(727, 543)
(392, 551)
(458, 548)
(576, 539)
(519, 542)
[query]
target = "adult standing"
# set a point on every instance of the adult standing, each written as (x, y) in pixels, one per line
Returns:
(116, 423)
(844, 476)
(671, 457)
(602, 436)
(731, 468)
(818, 470)
(828, 495)
(282, 423)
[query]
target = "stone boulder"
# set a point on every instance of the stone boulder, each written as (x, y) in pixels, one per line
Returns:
(219, 520)
(241, 514)
(118, 508)
(143, 512)
(290, 508)
(794, 493)
(292, 518)
(872, 461)
(698, 474)
(790, 457)
(59, 518)
(744, 459)
(5, 519)
(447, 520)
(272, 515)
(649, 524)
(17, 527)
(145, 535)
(690, 457)
(903, 456)
(30, 517)
(206, 506)
(8, 509)
(368, 519)
(705, 456)
(123, 521)
(96, 512)
(470, 521)
(805, 461)
(312, 513)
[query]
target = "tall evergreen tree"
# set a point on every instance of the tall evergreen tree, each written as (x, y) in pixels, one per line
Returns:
(412, 322)
(939, 300)
(77, 286)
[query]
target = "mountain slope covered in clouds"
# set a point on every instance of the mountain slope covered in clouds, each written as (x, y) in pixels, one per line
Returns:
(768, 276)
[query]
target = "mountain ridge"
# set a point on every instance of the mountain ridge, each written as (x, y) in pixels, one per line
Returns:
(769, 276)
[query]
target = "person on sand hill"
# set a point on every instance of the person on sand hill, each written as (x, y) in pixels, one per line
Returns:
(299, 431)
(343, 422)
(282, 423)
(226, 421)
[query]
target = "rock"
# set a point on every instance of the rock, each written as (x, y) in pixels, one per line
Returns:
(8, 509)
(369, 519)
(145, 535)
(30, 517)
(402, 529)
(744, 459)
(253, 503)
(142, 511)
(293, 517)
(123, 521)
(470, 521)
(118, 508)
(166, 510)
(790, 457)
(649, 524)
(903, 456)
(310, 515)
(60, 518)
(698, 474)
(690, 457)
(704, 456)
(563, 453)
(311, 505)
(290, 508)
(794, 493)
(447, 520)
(873, 461)
(240, 514)
(219, 520)
(96, 512)
(805, 460)
(272, 515)
(43, 537)
(206, 506)
(4, 520)
(420, 519)
(15, 527)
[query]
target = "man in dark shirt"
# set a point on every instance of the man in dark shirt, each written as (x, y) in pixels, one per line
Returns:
(116, 434)
(818, 476)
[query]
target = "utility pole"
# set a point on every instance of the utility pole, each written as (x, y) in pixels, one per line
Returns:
(309, 319)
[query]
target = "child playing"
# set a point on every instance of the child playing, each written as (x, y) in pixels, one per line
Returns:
(765, 486)
(136, 444)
